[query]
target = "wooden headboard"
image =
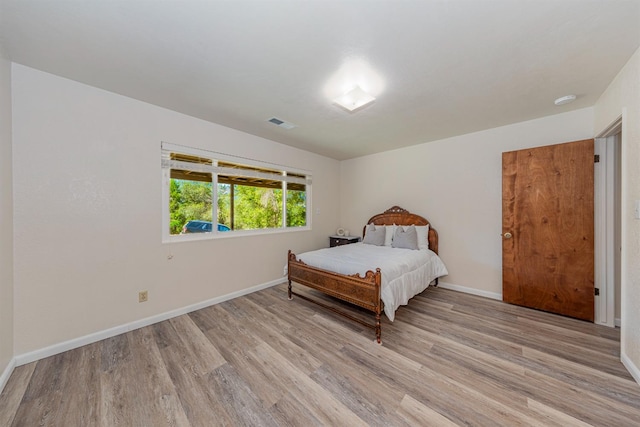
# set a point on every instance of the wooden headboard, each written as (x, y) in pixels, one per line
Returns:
(398, 216)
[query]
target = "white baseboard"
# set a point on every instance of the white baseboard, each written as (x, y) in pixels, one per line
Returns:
(32, 356)
(617, 322)
(7, 373)
(631, 367)
(472, 291)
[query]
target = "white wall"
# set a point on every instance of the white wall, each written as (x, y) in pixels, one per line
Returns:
(622, 97)
(87, 212)
(456, 184)
(6, 220)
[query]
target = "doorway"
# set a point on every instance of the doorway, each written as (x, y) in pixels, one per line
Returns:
(608, 234)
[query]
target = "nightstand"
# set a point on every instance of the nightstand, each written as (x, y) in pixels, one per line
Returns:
(342, 240)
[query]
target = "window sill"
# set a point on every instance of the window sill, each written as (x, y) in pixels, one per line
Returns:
(217, 235)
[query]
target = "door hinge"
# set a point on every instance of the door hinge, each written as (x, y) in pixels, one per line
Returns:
(596, 158)
(597, 291)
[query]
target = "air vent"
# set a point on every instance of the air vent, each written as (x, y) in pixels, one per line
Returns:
(281, 123)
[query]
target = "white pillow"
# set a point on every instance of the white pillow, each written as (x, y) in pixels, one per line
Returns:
(423, 236)
(388, 238)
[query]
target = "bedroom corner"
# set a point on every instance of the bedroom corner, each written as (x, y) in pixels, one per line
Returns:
(6, 223)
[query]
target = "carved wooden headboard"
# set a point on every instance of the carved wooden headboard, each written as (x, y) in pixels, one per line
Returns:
(398, 216)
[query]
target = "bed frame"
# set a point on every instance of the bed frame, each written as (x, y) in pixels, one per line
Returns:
(361, 291)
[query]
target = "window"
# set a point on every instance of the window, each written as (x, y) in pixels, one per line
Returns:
(211, 193)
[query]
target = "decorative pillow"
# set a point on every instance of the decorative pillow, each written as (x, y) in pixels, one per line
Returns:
(423, 234)
(374, 236)
(405, 238)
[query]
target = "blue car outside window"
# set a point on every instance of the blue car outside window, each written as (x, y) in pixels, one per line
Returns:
(197, 226)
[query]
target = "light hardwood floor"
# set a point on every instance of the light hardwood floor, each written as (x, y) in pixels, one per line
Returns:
(448, 359)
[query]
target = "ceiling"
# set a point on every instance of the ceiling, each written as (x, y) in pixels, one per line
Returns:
(438, 68)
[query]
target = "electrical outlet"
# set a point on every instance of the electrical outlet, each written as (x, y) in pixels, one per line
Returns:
(143, 296)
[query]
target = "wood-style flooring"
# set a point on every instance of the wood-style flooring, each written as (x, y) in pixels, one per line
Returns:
(261, 360)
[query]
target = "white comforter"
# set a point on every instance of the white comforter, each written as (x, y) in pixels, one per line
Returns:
(405, 272)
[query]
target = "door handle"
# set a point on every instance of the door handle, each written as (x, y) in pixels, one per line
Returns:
(507, 235)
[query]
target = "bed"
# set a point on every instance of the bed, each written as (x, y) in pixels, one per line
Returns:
(378, 278)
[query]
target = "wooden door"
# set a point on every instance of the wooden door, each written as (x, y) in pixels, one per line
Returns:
(547, 228)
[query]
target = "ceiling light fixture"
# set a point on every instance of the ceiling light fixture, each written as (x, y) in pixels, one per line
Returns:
(354, 99)
(565, 99)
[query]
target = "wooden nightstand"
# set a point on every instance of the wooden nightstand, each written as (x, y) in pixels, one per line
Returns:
(342, 240)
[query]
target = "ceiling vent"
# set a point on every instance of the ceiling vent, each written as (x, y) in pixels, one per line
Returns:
(281, 123)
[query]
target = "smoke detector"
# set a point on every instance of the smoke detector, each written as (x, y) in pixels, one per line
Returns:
(565, 99)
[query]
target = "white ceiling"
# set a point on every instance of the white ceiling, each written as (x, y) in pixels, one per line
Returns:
(448, 67)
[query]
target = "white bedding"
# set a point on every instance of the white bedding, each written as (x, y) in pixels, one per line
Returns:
(405, 272)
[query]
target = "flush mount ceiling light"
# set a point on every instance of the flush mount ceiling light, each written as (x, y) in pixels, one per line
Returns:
(354, 85)
(565, 99)
(354, 99)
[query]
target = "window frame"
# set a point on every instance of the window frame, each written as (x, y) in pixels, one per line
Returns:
(167, 148)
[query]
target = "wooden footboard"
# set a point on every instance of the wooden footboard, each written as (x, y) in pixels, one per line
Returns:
(361, 291)
(364, 291)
